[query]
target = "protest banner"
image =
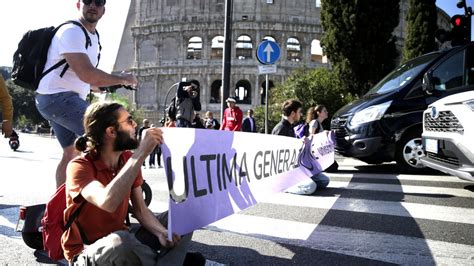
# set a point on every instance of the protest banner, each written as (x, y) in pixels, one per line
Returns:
(212, 174)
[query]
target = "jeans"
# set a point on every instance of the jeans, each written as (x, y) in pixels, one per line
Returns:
(181, 122)
(65, 111)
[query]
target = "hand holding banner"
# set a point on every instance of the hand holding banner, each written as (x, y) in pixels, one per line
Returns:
(213, 174)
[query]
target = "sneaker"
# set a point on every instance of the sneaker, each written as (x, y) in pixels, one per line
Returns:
(152, 166)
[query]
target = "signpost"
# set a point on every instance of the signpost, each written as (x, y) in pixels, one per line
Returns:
(268, 52)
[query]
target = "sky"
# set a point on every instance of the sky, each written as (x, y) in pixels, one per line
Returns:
(19, 16)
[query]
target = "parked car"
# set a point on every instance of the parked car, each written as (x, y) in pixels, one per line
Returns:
(386, 123)
(448, 135)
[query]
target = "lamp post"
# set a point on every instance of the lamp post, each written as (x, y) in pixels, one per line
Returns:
(226, 61)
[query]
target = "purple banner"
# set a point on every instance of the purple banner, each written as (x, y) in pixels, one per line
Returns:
(213, 174)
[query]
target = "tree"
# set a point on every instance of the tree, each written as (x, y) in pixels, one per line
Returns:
(358, 40)
(310, 87)
(24, 108)
(421, 27)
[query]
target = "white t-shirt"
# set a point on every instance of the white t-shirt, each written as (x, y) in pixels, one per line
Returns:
(316, 125)
(68, 39)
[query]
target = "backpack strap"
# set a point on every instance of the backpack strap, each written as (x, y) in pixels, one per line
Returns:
(87, 44)
(75, 214)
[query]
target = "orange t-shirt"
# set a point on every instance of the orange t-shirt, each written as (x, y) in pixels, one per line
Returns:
(95, 222)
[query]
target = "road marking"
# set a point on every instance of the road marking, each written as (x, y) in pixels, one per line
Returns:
(455, 192)
(360, 243)
(404, 209)
(434, 178)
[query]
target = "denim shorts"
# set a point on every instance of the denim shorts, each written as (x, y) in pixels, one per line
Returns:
(65, 111)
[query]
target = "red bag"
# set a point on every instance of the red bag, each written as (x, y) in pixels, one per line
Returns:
(53, 225)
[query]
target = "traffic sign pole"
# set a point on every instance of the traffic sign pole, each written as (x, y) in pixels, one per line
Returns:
(266, 104)
(268, 52)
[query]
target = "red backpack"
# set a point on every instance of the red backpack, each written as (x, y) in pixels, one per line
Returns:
(53, 225)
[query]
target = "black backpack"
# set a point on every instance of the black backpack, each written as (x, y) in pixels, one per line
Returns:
(30, 57)
(171, 109)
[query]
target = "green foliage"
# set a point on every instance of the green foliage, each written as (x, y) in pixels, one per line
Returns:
(358, 40)
(310, 87)
(137, 114)
(25, 111)
(421, 27)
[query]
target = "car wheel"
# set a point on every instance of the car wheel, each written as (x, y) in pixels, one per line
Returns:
(409, 152)
(33, 240)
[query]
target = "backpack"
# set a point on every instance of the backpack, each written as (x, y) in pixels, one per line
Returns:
(30, 57)
(53, 225)
(171, 109)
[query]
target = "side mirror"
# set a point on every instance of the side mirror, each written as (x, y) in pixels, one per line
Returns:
(427, 85)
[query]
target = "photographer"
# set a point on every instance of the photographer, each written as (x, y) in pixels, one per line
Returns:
(187, 101)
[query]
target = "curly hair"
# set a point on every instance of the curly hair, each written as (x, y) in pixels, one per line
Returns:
(97, 118)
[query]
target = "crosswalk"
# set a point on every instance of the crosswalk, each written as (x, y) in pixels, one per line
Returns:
(361, 218)
(385, 218)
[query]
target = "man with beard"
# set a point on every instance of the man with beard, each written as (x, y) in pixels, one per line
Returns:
(61, 93)
(102, 182)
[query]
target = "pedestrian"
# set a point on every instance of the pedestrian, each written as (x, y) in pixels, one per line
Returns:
(319, 114)
(291, 115)
(154, 155)
(210, 122)
(61, 94)
(187, 102)
(145, 125)
(102, 182)
(249, 125)
(316, 126)
(197, 121)
(232, 118)
(7, 109)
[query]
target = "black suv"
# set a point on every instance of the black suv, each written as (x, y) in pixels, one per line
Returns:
(386, 123)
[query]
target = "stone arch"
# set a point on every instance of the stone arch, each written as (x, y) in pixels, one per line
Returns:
(243, 91)
(168, 49)
(147, 51)
(194, 50)
(216, 91)
(243, 47)
(217, 47)
(293, 49)
(263, 91)
(317, 52)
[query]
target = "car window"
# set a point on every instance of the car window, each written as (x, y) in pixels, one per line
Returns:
(403, 74)
(449, 74)
(470, 65)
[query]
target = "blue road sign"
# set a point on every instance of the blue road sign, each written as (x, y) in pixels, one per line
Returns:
(268, 52)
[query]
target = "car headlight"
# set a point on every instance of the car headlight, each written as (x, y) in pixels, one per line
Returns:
(470, 104)
(370, 114)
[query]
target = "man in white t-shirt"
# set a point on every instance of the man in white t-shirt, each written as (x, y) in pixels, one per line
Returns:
(61, 94)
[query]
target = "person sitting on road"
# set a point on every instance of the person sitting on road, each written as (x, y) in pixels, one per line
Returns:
(105, 180)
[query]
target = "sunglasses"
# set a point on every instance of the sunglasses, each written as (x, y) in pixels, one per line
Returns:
(97, 2)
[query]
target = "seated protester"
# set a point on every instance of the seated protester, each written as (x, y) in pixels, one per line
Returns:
(187, 102)
(103, 182)
(291, 114)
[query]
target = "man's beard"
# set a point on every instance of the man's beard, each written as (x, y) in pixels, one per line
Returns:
(124, 142)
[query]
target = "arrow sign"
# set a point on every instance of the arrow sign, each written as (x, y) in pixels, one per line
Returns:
(268, 52)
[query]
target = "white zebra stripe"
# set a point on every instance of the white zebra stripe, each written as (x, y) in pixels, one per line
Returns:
(404, 209)
(360, 243)
(434, 178)
(455, 192)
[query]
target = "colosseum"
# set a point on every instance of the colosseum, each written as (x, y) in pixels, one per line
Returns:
(174, 40)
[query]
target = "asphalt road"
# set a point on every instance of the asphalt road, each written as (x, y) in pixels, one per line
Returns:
(368, 215)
